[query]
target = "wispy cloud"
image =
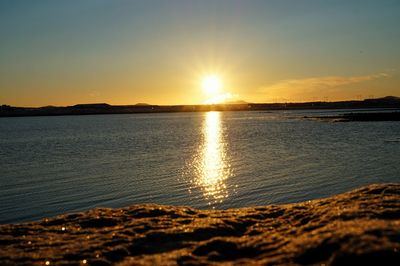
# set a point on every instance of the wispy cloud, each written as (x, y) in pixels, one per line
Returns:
(315, 85)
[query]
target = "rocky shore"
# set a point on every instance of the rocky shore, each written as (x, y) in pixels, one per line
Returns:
(359, 117)
(361, 227)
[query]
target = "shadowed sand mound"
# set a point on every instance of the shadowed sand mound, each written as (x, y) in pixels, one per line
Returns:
(358, 227)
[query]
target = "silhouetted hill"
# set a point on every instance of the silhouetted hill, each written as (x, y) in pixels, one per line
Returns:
(384, 100)
(92, 105)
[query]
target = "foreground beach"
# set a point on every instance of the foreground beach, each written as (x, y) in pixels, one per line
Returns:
(358, 227)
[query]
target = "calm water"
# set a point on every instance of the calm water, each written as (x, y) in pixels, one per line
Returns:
(53, 165)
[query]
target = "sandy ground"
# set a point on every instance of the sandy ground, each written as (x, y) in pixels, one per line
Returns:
(361, 227)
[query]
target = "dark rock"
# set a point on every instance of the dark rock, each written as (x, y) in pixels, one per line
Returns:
(360, 227)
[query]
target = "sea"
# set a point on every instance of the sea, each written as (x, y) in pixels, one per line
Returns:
(207, 160)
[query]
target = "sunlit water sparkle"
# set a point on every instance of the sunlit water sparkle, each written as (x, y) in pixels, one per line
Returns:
(54, 165)
(211, 160)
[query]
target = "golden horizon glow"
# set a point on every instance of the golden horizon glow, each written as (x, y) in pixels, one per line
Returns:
(211, 162)
(212, 85)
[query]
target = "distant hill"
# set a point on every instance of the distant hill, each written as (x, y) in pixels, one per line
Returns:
(384, 100)
(91, 105)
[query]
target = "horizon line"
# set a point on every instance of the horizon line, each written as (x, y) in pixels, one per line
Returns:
(140, 104)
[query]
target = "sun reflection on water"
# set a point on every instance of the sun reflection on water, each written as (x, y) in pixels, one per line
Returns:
(212, 168)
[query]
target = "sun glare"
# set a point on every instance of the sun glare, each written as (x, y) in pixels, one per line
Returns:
(211, 84)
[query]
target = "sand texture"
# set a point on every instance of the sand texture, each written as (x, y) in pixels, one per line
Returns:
(361, 227)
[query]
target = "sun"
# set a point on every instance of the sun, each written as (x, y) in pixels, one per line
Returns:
(211, 84)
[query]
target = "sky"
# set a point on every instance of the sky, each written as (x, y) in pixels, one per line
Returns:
(67, 52)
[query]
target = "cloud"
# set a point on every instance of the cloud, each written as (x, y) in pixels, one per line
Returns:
(307, 87)
(94, 94)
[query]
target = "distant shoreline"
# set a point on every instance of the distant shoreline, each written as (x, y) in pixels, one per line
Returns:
(359, 117)
(389, 102)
